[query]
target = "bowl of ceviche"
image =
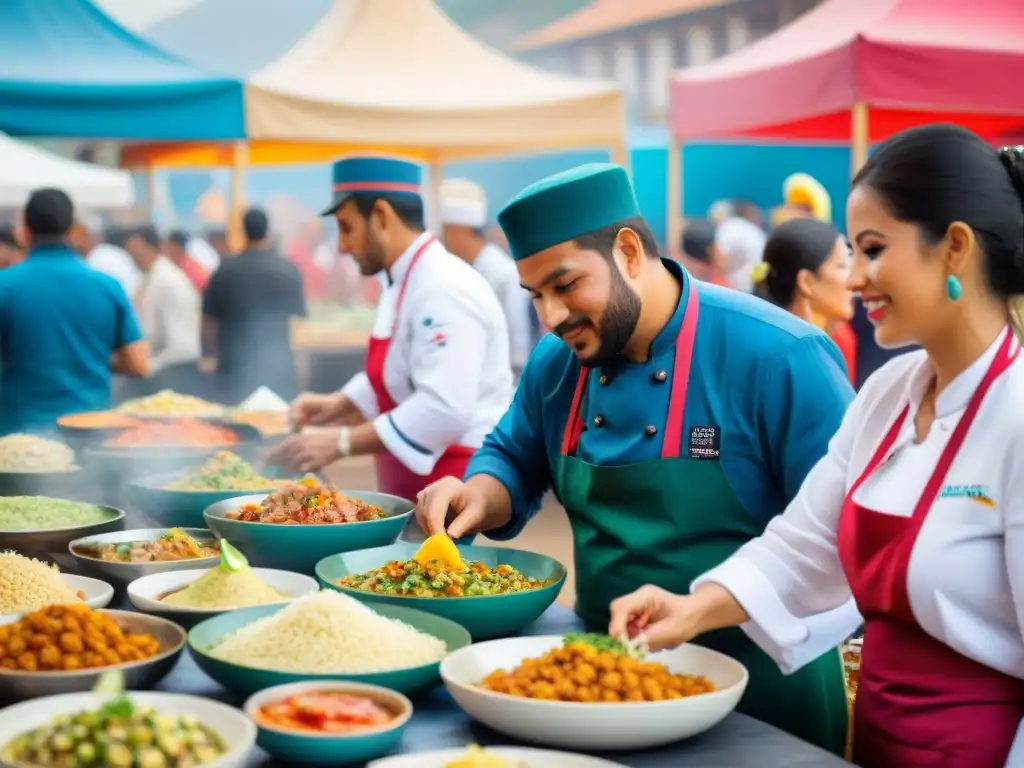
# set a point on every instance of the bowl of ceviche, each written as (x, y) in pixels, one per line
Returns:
(296, 526)
(328, 722)
(491, 591)
(179, 498)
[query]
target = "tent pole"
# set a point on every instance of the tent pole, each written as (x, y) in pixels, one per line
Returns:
(674, 194)
(236, 200)
(620, 155)
(433, 202)
(859, 137)
(151, 191)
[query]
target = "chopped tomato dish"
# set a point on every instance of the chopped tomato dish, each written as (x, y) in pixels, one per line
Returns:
(326, 712)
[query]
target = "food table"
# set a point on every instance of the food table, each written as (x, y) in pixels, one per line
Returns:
(739, 742)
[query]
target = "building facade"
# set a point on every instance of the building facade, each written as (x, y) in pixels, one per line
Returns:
(641, 54)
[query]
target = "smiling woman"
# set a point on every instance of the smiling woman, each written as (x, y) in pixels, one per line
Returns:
(927, 470)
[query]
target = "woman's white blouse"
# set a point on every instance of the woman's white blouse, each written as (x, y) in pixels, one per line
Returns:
(966, 575)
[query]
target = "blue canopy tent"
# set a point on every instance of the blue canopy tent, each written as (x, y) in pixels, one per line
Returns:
(69, 70)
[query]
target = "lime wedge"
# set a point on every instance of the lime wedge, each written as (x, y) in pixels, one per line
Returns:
(110, 683)
(230, 558)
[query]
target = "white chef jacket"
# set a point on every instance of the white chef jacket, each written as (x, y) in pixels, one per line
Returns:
(448, 365)
(170, 312)
(500, 271)
(965, 579)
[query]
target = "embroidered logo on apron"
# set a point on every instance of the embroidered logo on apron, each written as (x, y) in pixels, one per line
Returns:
(978, 493)
(704, 442)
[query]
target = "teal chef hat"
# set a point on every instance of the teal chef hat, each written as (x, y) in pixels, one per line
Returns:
(372, 173)
(566, 206)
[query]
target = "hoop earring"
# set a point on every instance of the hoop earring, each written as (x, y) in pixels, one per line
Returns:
(954, 290)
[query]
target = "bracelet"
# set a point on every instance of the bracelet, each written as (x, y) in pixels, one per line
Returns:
(345, 441)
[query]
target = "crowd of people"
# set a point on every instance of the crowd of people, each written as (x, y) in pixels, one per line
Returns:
(724, 483)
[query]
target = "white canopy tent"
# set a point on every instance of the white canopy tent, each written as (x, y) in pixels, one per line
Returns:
(24, 168)
(401, 74)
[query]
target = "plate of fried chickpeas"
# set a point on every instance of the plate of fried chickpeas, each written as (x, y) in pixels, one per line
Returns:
(590, 692)
(63, 648)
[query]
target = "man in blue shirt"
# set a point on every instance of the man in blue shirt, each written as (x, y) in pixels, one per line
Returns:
(63, 326)
(672, 418)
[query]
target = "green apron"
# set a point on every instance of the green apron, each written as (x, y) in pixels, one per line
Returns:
(668, 521)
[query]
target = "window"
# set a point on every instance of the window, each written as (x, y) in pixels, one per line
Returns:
(591, 62)
(737, 33)
(627, 67)
(661, 57)
(700, 45)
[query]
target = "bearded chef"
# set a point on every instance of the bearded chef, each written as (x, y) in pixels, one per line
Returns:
(917, 510)
(437, 376)
(463, 219)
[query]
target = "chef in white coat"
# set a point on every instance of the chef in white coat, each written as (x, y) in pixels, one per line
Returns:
(437, 376)
(464, 219)
(917, 510)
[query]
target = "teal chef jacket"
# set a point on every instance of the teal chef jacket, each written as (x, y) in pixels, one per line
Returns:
(772, 388)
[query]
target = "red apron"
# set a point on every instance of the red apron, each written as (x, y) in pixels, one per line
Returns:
(919, 702)
(393, 476)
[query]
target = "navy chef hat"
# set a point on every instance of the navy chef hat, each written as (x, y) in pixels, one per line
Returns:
(567, 205)
(378, 174)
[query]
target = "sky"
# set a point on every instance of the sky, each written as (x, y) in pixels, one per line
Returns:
(139, 14)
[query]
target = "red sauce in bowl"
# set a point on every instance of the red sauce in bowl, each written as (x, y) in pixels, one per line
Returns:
(325, 712)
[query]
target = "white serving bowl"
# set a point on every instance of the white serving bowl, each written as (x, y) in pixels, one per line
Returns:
(144, 593)
(535, 758)
(98, 594)
(236, 730)
(592, 726)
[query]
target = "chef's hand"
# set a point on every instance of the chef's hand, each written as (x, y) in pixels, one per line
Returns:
(665, 619)
(465, 502)
(310, 409)
(313, 449)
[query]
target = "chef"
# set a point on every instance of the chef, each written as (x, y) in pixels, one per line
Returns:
(464, 217)
(437, 376)
(672, 418)
(918, 507)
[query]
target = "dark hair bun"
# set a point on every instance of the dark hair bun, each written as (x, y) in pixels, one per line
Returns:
(1013, 160)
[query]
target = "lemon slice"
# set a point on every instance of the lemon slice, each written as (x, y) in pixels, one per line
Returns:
(230, 558)
(441, 549)
(110, 683)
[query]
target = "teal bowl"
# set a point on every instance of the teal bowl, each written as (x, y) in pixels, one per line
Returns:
(316, 749)
(248, 680)
(178, 509)
(486, 616)
(300, 547)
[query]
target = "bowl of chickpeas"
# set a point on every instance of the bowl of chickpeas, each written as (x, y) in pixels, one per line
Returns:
(65, 648)
(561, 692)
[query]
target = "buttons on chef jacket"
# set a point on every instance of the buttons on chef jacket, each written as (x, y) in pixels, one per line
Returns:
(599, 421)
(650, 431)
(659, 377)
(605, 379)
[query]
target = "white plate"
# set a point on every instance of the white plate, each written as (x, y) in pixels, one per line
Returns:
(98, 594)
(532, 758)
(145, 591)
(571, 725)
(233, 726)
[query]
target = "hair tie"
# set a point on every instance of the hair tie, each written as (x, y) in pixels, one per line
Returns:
(760, 272)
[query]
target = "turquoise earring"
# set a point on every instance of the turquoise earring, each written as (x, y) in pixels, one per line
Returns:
(953, 288)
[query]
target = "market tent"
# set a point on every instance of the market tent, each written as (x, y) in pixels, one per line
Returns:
(905, 61)
(417, 81)
(70, 70)
(24, 168)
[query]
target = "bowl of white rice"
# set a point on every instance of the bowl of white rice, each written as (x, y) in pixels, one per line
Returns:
(325, 636)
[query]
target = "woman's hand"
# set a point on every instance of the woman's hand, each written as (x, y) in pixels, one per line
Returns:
(667, 620)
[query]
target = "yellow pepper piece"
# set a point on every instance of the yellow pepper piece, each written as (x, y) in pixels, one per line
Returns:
(441, 549)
